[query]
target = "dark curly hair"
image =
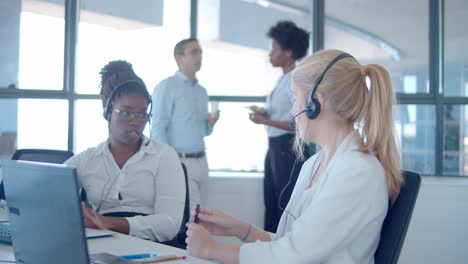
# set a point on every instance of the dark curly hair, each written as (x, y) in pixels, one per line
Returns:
(119, 75)
(290, 37)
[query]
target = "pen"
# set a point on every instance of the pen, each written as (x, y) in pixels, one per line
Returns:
(139, 256)
(162, 258)
(197, 211)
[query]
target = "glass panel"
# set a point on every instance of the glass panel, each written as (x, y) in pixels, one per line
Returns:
(235, 44)
(43, 123)
(236, 143)
(455, 140)
(90, 125)
(415, 129)
(455, 43)
(139, 32)
(31, 58)
(236, 77)
(8, 127)
(401, 46)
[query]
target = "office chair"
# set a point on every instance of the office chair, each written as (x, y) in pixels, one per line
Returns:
(397, 221)
(179, 239)
(40, 155)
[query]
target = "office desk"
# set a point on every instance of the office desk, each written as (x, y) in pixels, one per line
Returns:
(118, 244)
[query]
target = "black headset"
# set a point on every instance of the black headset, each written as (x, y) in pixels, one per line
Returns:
(120, 86)
(312, 109)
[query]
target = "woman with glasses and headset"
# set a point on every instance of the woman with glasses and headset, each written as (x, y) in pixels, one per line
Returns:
(135, 185)
(341, 197)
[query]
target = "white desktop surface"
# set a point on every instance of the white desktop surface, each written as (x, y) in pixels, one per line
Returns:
(118, 244)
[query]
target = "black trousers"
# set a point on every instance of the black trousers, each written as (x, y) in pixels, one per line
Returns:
(279, 163)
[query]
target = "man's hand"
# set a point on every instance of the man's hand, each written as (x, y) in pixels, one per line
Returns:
(213, 118)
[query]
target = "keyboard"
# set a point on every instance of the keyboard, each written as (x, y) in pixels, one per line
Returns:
(5, 233)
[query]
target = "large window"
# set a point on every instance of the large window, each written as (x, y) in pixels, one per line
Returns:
(40, 108)
(236, 71)
(431, 143)
(41, 64)
(89, 115)
(42, 123)
(415, 131)
(141, 32)
(32, 59)
(32, 44)
(236, 144)
(244, 71)
(361, 30)
(455, 89)
(455, 139)
(8, 127)
(455, 42)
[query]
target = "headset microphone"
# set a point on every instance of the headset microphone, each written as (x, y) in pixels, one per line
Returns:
(292, 120)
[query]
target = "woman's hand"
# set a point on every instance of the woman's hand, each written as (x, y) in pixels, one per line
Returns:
(93, 219)
(259, 117)
(217, 223)
(199, 241)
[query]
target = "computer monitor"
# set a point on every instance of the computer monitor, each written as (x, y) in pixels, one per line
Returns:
(44, 212)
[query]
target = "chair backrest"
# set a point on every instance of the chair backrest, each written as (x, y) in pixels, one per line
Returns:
(182, 232)
(40, 155)
(397, 221)
(179, 240)
(43, 155)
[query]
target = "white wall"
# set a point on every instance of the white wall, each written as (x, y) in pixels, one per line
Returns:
(438, 232)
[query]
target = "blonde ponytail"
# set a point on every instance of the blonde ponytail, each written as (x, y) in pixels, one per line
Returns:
(370, 108)
(377, 126)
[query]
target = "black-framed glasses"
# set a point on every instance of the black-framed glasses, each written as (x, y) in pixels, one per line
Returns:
(129, 115)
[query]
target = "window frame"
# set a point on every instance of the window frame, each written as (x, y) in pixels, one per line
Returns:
(436, 70)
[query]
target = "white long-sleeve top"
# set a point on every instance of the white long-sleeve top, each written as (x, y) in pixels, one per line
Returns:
(338, 220)
(151, 182)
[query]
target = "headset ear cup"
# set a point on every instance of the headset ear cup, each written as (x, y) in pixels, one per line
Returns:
(313, 110)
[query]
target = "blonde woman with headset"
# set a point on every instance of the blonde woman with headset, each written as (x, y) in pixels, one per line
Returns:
(342, 194)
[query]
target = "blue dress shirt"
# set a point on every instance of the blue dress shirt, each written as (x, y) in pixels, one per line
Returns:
(180, 114)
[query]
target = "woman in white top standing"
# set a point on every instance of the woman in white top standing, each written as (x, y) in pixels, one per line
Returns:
(289, 43)
(341, 197)
(136, 185)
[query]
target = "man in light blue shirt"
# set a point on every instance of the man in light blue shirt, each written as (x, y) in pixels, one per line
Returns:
(180, 117)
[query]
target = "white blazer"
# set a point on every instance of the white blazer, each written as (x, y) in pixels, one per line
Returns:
(338, 220)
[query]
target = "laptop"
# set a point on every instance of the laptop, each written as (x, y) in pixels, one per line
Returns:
(45, 216)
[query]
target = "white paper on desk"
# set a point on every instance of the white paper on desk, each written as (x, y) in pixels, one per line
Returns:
(95, 233)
